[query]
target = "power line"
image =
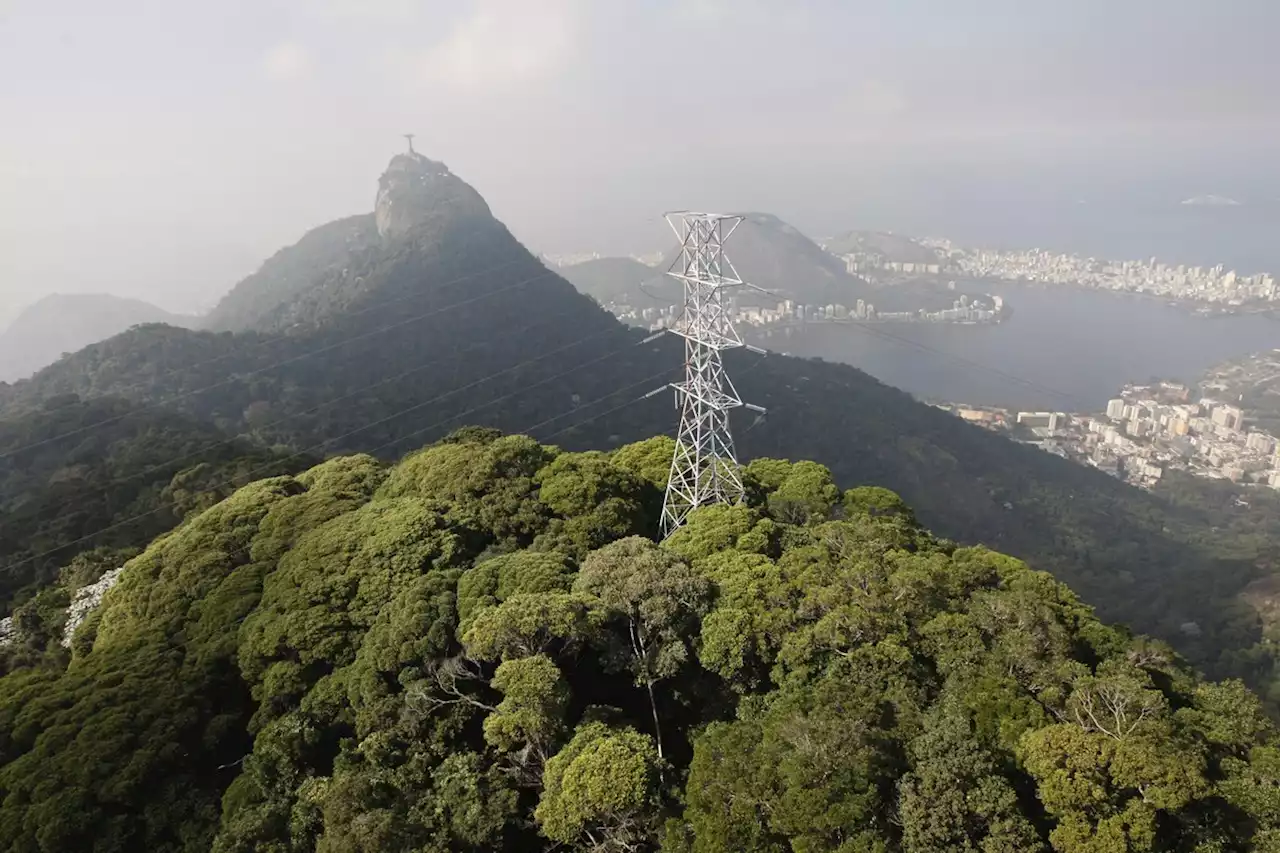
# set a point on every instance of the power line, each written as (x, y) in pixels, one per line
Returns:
(363, 390)
(248, 476)
(578, 423)
(190, 368)
(511, 394)
(292, 360)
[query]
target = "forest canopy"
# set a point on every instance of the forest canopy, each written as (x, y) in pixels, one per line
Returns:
(485, 647)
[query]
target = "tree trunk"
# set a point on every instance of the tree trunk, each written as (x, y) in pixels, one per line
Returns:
(657, 727)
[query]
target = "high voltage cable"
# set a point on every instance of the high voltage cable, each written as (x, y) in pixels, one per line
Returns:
(280, 337)
(321, 445)
(291, 360)
(578, 423)
(363, 390)
(230, 481)
(508, 395)
(1028, 383)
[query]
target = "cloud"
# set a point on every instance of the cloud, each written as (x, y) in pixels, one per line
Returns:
(501, 44)
(286, 61)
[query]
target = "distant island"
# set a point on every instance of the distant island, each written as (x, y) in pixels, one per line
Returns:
(1211, 201)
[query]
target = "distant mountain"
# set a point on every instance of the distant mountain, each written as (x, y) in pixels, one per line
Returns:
(619, 279)
(61, 324)
(892, 247)
(394, 329)
(770, 253)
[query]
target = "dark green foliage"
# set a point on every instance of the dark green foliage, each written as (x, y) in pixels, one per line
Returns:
(79, 475)
(338, 661)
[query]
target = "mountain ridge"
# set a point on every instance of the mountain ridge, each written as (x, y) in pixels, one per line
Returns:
(60, 324)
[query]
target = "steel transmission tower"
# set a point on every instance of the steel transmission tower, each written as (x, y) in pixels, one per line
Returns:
(704, 469)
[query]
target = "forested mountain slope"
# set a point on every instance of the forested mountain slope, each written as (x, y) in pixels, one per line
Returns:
(482, 648)
(107, 474)
(448, 321)
(62, 324)
(264, 300)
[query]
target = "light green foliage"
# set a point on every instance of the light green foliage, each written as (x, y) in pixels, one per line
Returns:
(488, 485)
(876, 501)
(650, 460)
(794, 492)
(331, 586)
(534, 700)
(754, 609)
(711, 529)
(495, 580)
(596, 501)
(600, 792)
(807, 493)
(405, 660)
(529, 624)
(414, 629)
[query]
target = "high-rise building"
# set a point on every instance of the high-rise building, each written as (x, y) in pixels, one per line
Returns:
(1259, 441)
(1115, 409)
(1227, 416)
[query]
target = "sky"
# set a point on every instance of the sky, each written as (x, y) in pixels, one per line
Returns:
(162, 150)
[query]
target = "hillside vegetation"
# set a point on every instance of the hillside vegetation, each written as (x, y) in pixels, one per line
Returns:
(107, 474)
(263, 301)
(483, 648)
(62, 324)
(454, 323)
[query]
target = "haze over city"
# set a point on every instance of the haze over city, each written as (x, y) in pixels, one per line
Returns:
(163, 150)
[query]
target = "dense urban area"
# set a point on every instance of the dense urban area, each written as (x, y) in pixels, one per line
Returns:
(1210, 285)
(965, 309)
(1146, 431)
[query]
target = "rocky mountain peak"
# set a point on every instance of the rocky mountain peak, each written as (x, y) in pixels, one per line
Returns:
(415, 190)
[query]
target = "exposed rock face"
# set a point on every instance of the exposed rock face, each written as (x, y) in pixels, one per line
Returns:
(414, 190)
(8, 633)
(86, 599)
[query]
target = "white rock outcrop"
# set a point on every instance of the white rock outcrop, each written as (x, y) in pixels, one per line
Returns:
(85, 601)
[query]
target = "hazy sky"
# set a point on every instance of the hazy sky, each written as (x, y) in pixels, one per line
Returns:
(162, 150)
